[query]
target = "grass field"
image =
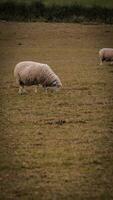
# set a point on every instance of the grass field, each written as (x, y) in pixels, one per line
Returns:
(57, 146)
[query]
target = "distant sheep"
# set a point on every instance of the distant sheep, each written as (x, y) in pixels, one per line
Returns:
(105, 54)
(29, 73)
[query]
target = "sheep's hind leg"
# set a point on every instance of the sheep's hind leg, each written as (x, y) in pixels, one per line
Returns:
(21, 90)
(36, 88)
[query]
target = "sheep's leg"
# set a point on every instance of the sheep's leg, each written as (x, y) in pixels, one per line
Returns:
(46, 89)
(21, 89)
(24, 90)
(101, 61)
(111, 63)
(56, 89)
(36, 89)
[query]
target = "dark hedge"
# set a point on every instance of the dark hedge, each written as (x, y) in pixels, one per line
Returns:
(38, 11)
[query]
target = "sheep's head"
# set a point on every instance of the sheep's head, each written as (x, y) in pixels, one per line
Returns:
(57, 83)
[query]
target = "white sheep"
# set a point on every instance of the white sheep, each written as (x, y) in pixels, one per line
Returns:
(105, 54)
(29, 73)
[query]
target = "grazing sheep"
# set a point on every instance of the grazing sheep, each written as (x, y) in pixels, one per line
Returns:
(29, 73)
(105, 54)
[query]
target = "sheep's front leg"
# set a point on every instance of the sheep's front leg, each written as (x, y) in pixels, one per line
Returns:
(111, 63)
(45, 89)
(101, 61)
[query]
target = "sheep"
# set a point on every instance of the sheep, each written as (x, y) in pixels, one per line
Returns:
(29, 73)
(105, 54)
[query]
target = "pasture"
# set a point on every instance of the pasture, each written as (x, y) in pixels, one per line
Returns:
(59, 145)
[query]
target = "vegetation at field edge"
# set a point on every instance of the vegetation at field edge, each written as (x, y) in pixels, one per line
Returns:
(40, 11)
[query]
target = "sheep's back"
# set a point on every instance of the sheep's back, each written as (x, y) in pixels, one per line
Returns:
(27, 68)
(106, 52)
(28, 71)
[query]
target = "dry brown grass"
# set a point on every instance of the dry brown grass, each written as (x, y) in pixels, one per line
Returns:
(57, 146)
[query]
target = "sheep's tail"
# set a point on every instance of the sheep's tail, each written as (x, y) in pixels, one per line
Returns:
(17, 76)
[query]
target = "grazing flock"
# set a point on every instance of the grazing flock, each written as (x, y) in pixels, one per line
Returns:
(29, 73)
